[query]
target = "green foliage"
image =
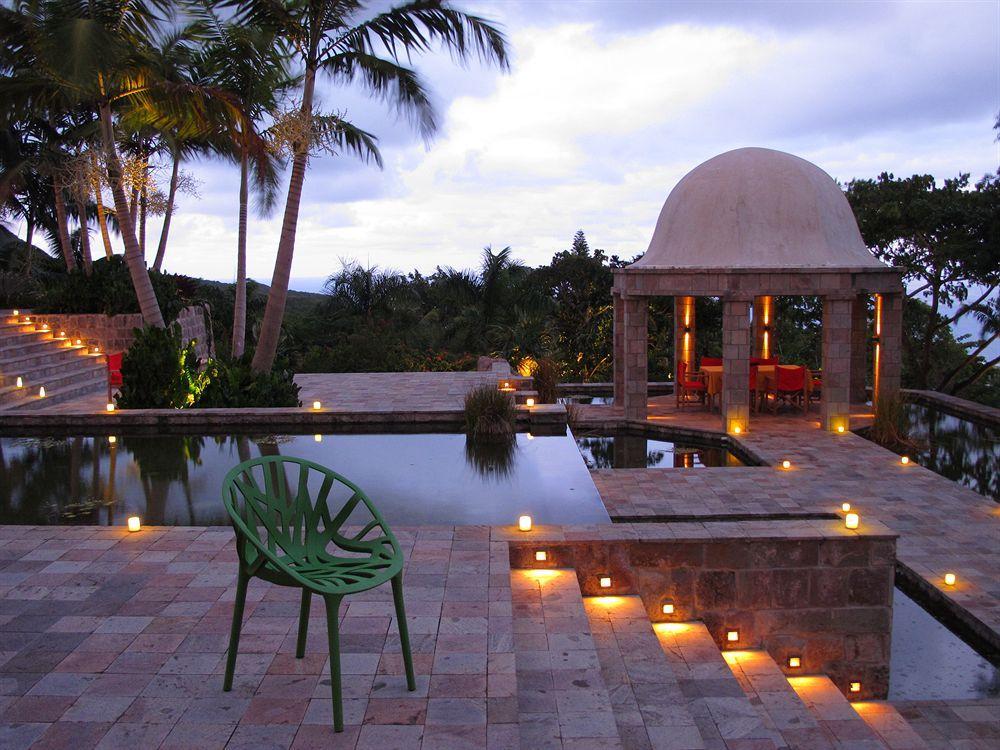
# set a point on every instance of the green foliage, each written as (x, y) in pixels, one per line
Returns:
(158, 372)
(545, 376)
(489, 415)
(234, 385)
(108, 290)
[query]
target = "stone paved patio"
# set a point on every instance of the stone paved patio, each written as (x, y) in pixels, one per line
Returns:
(943, 526)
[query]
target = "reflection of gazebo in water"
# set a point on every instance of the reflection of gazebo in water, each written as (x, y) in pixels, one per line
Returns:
(746, 226)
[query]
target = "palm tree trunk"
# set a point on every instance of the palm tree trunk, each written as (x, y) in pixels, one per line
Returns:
(270, 329)
(102, 218)
(148, 305)
(142, 222)
(61, 229)
(81, 209)
(240, 306)
(171, 194)
(29, 233)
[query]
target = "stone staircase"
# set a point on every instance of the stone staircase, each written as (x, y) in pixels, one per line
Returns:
(593, 671)
(44, 358)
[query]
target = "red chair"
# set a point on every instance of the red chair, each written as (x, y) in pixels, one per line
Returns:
(711, 361)
(790, 386)
(816, 389)
(114, 372)
(685, 387)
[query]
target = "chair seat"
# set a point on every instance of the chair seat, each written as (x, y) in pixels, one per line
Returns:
(328, 574)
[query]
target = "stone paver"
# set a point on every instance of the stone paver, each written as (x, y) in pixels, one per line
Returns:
(835, 714)
(391, 391)
(954, 725)
(886, 721)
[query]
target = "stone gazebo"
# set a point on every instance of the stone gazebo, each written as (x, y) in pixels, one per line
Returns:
(746, 226)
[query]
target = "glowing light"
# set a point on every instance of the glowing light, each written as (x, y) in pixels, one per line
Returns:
(529, 401)
(840, 428)
(737, 429)
(20, 382)
(79, 342)
(95, 349)
(45, 326)
(317, 405)
(855, 687)
(541, 555)
(27, 319)
(786, 464)
(529, 436)
(62, 334)
(904, 460)
(845, 507)
(318, 438)
(949, 579)
(794, 662)
(851, 520)
(668, 608)
(41, 392)
(133, 523)
(524, 523)
(112, 439)
(605, 582)
(732, 636)
(16, 313)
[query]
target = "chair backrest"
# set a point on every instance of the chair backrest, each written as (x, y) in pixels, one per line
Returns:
(790, 378)
(682, 371)
(753, 377)
(114, 361)
(711, 361)
(279, 516)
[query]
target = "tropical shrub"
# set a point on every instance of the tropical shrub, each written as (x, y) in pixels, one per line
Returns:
(234, 385)
(159, 372)
(545, 376)
(489, 414)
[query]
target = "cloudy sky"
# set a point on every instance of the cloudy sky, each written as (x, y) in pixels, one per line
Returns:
(606, 107)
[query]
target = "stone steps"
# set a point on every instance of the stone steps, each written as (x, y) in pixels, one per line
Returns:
(647, 701)
(891, 727)
(722, 711)
(835, 714)
(562, 698)
(41, 359)
(776, 701)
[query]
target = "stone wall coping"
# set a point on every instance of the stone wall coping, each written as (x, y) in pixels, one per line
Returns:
(715, 271)
(954, 405)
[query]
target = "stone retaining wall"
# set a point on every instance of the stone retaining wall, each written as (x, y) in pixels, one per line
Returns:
(825, 600)
(113, 333)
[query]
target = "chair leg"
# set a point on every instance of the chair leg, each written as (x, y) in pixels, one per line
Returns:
(300, 645)
(333, 634)
(404, 630)
(234, 634)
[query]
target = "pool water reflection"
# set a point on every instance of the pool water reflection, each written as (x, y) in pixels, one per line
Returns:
(433, 478)
(636, 450)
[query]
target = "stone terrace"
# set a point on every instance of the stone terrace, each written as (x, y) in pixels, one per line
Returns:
(943, 526)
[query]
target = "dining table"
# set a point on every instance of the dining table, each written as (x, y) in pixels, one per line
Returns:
(766, 379)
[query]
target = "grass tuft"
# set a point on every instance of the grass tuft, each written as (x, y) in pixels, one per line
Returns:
(489, 414)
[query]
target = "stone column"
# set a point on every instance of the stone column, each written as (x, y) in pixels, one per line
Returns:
(618, 347)
(636, 345)
(889, 346)
(684, 333)
(763, 326)
(735, 365)
(838, 312)
(859, 350)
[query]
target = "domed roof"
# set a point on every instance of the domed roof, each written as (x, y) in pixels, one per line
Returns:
(757, 208)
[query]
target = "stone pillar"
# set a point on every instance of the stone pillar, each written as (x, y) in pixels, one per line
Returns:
(618, 346)
(763, 326)
(859, 350)
(684, 333)
(735, 365)
(636, 346)
(889, 346)
(838, 312)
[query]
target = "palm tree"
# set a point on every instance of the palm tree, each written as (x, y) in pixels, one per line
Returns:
(251, 64)
(95, 54)
(336, 38)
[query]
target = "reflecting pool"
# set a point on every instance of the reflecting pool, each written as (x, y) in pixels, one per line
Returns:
(433, 478)
(633, 449)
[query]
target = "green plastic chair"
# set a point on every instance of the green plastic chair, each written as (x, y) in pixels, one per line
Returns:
(291, 539)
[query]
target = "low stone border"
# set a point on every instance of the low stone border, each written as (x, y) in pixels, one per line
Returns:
(958, 407)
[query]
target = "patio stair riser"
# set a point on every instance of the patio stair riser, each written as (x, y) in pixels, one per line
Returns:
(38, 369)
